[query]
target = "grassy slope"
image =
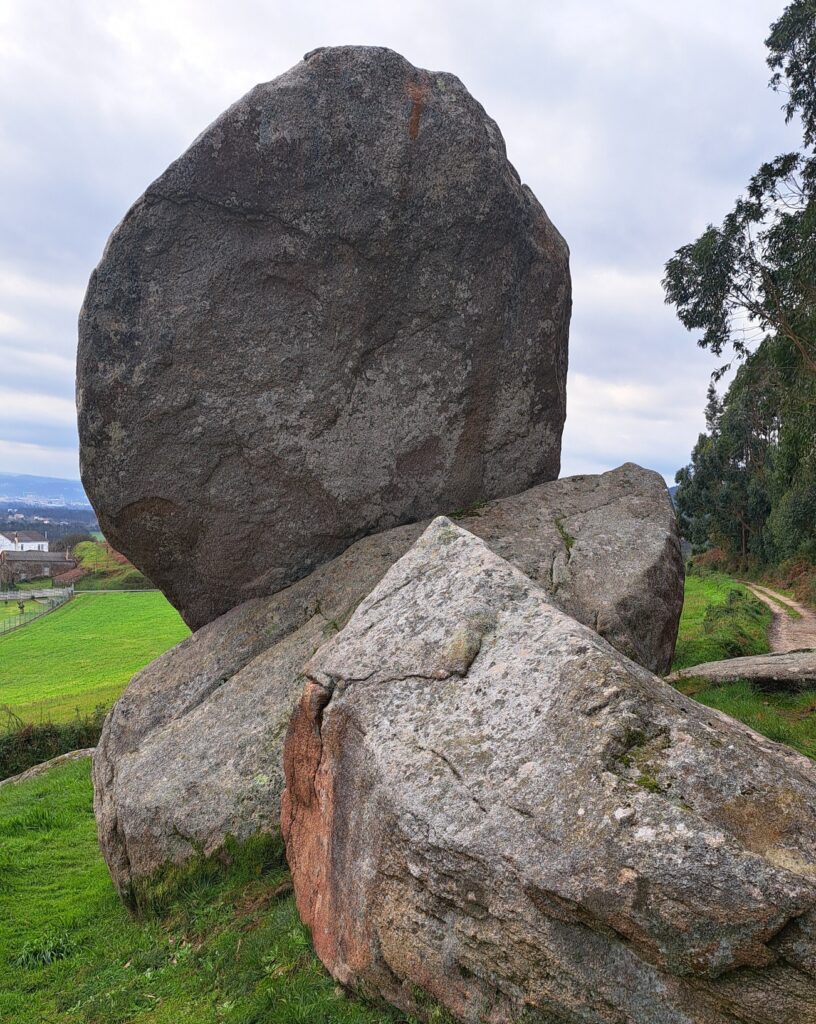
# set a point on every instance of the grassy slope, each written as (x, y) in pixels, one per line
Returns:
(721, 619)
(84, 653)
(106, 572)
(786, 718)
(228, 948)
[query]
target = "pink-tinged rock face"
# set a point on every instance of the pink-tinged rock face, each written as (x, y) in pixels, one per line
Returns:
(309, 810)
(488, 807)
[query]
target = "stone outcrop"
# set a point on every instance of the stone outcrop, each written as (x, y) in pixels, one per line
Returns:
(192, 750)
(794, 670)
(338, 311)
(490, 807)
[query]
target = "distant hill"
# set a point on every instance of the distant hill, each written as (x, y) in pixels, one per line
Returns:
(20, 488)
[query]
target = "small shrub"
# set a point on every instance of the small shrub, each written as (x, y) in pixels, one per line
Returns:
(22, 745)
(713, 560)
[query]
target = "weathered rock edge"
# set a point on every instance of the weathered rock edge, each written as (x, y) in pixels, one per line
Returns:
(191, 752)
(45, 766)
(488, 805)
(338, 311)
(793, 670)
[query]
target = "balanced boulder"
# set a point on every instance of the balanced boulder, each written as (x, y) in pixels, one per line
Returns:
(489, 807)
(191, 752)
(338, 311)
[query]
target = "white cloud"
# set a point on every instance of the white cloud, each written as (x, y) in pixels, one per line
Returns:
(40, 460)
(12, 326)
(613, 290)
(610, 422)
(35, 408)
(19, 287)
(33, 363)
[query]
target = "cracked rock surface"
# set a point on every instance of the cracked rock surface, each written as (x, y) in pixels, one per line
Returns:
(191, 752)
(338, 311)
(489, 806)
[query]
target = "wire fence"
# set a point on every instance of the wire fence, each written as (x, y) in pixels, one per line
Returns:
(30, 605)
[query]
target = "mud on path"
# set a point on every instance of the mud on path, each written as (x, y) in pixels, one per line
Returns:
(787, 632)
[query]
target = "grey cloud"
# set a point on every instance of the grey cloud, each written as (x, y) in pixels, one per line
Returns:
(635, 124)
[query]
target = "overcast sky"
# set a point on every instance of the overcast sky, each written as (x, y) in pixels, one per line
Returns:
(635, 123)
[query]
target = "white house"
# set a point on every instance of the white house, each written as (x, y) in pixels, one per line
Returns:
(22, 540)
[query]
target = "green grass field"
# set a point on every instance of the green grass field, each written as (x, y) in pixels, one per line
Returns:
(721, 619)
(227, 948)
(83, 654)
(10, 609)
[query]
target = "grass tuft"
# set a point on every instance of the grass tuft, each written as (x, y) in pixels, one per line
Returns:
(46, 950)
(784, 717)
(721, 619)
(259, 856)
(566, 536)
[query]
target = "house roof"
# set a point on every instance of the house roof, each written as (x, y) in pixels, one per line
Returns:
(71, 576)
(36, 556)
(30, 536)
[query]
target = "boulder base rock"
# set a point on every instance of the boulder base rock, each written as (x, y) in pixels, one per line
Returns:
(191, 752)
(793, 670)
(486, 805)
(339, 311)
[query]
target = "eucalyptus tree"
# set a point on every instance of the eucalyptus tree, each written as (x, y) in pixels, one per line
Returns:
(748, 286)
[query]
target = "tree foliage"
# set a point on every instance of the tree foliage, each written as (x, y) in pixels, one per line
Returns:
(749, 285)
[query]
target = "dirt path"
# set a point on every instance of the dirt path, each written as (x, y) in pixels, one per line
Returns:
(787, 633)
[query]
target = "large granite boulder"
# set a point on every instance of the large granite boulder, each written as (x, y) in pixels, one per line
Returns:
(192, 751)
(489, 807)
(339, 311)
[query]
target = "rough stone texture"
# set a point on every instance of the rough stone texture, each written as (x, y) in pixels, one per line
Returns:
(191, 752)
(340, 310)
(795, 670)
(486, 804)
(606, 547)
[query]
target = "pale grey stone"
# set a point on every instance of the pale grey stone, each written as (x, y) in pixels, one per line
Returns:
(490, 807)
(191, 752)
